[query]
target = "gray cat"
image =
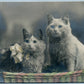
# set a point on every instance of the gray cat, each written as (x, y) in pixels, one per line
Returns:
(64, 47)
(33, 48)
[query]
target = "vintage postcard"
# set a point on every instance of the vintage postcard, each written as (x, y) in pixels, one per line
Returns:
(42, 42)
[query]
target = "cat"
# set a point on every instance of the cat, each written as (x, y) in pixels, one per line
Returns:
(33, 59)
(64, 47)
(28, 56)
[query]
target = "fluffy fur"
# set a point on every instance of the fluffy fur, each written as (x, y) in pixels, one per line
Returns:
(64, 47)
(33, 59)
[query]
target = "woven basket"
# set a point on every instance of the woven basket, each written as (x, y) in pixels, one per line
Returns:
(77, 76)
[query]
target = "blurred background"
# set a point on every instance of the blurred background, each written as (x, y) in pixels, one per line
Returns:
(14, 16)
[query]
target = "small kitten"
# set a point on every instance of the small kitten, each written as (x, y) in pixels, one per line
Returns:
(64, 47)
(33, 48)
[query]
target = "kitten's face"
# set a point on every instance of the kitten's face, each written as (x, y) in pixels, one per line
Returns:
(32, 44)
(58, 28)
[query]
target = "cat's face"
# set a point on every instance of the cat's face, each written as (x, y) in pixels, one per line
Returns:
(32, 44)
(58, 28)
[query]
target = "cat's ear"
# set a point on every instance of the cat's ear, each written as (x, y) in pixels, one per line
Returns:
(66, 20)
(26, 34)
(40, 34)
(50, 18)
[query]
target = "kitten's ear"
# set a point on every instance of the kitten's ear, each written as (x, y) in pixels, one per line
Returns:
(25, 34)
(50, 18)
(66, 20)
(40, 34)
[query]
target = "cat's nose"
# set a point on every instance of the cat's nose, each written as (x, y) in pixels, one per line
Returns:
(29, 46)
(56, 30)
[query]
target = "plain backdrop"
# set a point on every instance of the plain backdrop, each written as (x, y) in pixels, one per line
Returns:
(14, 16)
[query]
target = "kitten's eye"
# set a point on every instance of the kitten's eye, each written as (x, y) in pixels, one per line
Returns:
(27, 41)
(52, 26)
(60, 26)
(34, 41)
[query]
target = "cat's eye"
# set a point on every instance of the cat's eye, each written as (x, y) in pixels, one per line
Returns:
(27, 41)
(34, 41)
(60, 26)
(52, 26)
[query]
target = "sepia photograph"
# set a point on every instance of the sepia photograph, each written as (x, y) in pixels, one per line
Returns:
(42, 42)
